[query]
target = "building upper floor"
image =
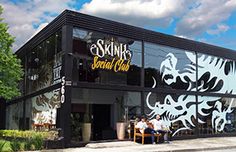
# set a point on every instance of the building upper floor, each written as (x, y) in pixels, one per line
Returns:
(91, 50)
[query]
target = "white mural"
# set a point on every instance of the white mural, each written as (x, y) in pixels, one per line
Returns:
(45, 107)
(214, 75)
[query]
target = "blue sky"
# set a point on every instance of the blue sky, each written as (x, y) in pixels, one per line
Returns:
(209, 21)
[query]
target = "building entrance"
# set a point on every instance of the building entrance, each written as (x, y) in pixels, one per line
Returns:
(101, 115)
(102, 109)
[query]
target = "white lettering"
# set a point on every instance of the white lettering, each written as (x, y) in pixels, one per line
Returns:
(63, 89)
(101, 49)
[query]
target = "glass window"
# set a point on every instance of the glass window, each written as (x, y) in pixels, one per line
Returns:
(44, 63)
(216, 74)
(170, 67)
(216, 115)
(28, 114)
(129, 100)
(178, 112)
(43, 108)
(22, 81)
(107, 59)
(14, 115)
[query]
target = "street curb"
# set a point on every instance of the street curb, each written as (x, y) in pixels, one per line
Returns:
(198, 149)
(177, 150)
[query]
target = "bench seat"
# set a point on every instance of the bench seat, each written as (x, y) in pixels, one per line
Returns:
(143, 135)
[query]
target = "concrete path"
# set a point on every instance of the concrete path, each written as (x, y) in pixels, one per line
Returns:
(201, 144)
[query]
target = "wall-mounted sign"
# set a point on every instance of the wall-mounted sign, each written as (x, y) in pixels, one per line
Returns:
(57, 65)
(63, 89)
(110, 55)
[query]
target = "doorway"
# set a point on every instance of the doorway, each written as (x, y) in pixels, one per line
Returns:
(102, 129)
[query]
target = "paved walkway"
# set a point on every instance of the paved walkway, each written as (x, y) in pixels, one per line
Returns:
(201, 144)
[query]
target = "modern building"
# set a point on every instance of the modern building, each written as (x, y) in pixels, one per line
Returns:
(81, 68)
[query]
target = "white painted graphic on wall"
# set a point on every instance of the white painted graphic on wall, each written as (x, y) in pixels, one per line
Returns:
(45, 107)
(219, 73)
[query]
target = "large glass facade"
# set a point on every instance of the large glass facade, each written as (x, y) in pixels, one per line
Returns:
(44, 64)
(216, 74)
(178, 112)
(28, 114)
(14, 116)
(170, 67)
(115, 61)
(217, 115)
(40, 112)
(44, 107)
(106, 59)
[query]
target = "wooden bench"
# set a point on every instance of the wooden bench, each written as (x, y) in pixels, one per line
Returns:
(143, 135)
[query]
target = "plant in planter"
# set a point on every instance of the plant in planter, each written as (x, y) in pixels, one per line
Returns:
(86, 128)
(121, 123)
(76, 126)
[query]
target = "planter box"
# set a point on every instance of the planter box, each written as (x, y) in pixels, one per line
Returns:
(120, 130)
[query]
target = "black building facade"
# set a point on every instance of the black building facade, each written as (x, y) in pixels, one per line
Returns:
(82, 68)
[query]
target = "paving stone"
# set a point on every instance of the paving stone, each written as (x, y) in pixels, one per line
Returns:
(200, 144)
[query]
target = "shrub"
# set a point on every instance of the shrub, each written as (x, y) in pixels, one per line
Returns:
(37, 141)
(27, 140)
(28, 144)
(15, 145)
(2, 144)
(22, 146)
(51, 135)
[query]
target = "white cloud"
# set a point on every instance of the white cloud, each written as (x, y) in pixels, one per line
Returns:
(202, 40)
(192, 17)
(182, 36)
(22, 16)
(143, 13)
(41, 26)
(219, 29)
(204, 15)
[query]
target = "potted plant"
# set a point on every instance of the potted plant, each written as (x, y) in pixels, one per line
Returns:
(121, 123)
(76, 126)
(86, 128)
(120, 130)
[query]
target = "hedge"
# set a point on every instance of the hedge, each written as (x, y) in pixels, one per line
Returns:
(46, 135)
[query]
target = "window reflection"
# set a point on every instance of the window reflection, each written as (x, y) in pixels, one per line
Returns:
(83, 58)
(171, 67)
(217, 115)
(216, 74)
(44, 63)
(178, 112)
(14, 115)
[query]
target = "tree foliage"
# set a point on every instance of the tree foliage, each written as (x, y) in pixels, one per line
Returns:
(10, 67)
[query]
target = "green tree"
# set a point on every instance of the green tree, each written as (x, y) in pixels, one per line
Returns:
(10, 67)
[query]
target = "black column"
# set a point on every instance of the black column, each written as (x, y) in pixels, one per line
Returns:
(2, 113)
(197, 115)
(24, 116)
(64, 111)
(142, 80)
